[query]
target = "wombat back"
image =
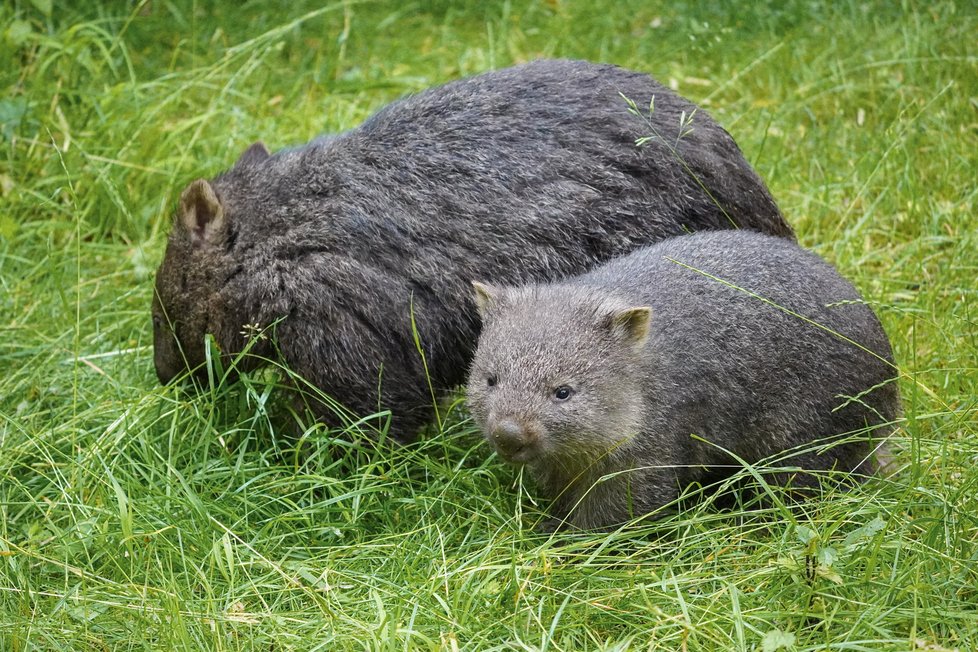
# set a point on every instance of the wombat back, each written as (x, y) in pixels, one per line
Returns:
(670, 365)
(355, 242)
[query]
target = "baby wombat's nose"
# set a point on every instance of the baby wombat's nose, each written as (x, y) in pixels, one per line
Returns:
(509, 438)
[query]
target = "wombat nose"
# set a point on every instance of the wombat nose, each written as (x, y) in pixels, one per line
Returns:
(165, 372)
(509, 438)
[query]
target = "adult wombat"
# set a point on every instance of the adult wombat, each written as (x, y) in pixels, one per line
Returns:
(599, 384)
(526, 174)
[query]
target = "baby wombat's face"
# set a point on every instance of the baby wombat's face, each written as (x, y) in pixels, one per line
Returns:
(555, 378)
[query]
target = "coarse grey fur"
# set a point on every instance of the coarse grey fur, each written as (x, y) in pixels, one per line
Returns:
(526, 174)
(744, 340)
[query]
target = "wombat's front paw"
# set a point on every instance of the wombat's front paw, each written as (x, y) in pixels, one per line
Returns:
(552, 525)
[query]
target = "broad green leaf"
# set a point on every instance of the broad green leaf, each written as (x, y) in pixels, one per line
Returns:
(18, 32)
(777, 640)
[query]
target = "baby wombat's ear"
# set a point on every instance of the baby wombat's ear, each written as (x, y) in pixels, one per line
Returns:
(254, 154)
(630, 325)
(201, 215)
(487, 298)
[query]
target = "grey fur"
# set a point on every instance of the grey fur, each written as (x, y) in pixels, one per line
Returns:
(525, 174)
(656, 349)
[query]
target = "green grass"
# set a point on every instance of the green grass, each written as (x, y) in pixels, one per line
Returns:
(141, 517)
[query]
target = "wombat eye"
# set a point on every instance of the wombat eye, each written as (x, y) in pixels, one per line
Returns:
(563, 393)
(491, 381)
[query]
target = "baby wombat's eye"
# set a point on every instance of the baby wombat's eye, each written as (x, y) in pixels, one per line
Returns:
(563, 393)
(491, 380)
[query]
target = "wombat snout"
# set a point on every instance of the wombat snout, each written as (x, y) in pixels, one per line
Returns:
(513, 441)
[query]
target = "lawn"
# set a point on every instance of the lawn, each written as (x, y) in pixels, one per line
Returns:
(136, 516)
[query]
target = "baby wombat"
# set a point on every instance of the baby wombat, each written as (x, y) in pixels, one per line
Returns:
(601, 384)
(350, 243)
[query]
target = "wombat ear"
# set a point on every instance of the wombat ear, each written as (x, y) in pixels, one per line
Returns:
(631, 324)
(254, 154)
(486, 298)
(201, 214)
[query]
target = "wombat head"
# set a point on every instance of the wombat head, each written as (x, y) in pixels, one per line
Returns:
(187, 301)
(556, 375)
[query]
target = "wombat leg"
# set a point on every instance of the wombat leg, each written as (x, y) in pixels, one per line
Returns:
(882, 462)
(553, 525)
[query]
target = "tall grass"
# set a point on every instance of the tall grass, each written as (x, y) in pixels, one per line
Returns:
(142, 517)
